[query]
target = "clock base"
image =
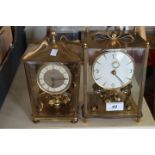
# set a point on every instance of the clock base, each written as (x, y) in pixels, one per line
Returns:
(62, 113)
(101, 111)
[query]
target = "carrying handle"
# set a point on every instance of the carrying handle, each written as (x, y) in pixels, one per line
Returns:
(114, 33)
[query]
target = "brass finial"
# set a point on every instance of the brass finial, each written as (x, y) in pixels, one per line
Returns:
(85, 45)
(148, 44)
(53, 37)
(114, 36)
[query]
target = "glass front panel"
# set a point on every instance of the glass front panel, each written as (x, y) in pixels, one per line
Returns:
(53, 88)
(114, 81)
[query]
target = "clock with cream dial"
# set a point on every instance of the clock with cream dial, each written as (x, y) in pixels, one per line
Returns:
(113, 69)
(54, 78)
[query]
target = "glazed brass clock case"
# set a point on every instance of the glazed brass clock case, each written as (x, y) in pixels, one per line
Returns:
(128, 96)
(53, 79)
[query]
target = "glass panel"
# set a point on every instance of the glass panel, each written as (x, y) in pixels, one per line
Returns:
(69, 96)
(114, 76)
(138, 55)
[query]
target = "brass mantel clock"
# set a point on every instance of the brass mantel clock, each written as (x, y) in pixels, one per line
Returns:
(53, 76)
(114, 71)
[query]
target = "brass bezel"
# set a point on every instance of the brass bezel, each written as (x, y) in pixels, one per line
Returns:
(110, 51)
(58, 64)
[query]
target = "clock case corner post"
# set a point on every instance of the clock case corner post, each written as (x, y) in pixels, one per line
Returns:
(141, 96)
(84, 108)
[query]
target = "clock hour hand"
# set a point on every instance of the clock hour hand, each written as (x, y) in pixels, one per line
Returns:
(61, 79)
(54, 79)
(53, 84)
(113, 72)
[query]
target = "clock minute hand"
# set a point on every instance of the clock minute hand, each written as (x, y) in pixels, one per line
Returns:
(114, 73)
(119, 79)
(54, 79)
(61, 79)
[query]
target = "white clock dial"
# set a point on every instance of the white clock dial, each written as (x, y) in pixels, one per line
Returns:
(113, 69)
(54, 78)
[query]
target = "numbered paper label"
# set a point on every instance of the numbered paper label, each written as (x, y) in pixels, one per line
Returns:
(115, 106)
(54, 52)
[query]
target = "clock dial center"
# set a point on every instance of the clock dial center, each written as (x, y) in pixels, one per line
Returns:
(113, 72)
(54, 78)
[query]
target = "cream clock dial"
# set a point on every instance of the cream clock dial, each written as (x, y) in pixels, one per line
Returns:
(113, 69)
(54, 78)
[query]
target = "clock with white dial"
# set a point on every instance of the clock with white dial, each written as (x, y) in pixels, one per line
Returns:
(54, 78)
(113, 69)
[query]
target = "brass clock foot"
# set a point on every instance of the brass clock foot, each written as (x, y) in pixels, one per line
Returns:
(138, 120)
(35, 120)
(74, 120)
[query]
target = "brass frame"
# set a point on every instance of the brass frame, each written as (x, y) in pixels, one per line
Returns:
(62, 65)
(88, 43)
(139, 112)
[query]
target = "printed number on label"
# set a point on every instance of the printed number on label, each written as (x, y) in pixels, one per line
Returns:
(115, 106)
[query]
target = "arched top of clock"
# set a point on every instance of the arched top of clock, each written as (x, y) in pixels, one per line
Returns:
(43, 52)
